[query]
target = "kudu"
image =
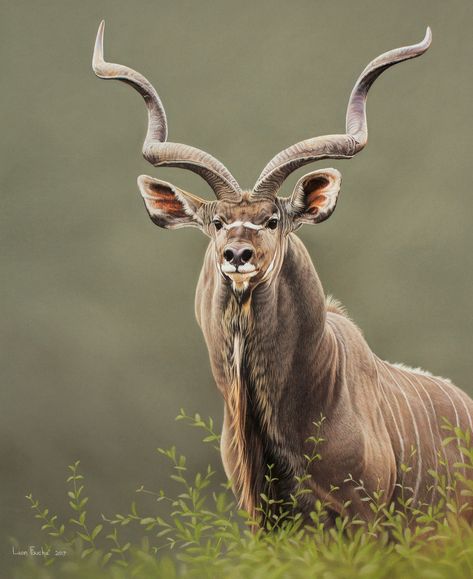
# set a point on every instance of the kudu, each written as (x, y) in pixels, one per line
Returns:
(282, 354)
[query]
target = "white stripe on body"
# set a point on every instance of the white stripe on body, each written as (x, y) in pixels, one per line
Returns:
(434, 446)
(381, 387)
(416, 432)
(437, 382)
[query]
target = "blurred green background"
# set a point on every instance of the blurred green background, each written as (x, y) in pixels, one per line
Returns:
(99, 343)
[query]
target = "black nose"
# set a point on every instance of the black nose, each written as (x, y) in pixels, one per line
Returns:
(237, 254)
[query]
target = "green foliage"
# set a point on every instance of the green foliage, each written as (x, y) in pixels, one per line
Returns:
(200, 532)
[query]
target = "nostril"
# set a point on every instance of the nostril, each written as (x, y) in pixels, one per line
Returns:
(246, 255)
(228, 255)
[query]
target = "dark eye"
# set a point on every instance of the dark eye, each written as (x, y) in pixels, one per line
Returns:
(218, 224)
(272, 223)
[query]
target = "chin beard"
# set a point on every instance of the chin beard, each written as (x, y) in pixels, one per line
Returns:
(241, 286)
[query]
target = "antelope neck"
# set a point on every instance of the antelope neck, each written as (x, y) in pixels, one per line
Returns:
(269, 328)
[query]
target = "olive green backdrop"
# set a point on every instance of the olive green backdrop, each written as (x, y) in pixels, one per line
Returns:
(99, 343)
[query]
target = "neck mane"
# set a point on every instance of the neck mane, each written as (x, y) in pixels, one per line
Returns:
(265, 333)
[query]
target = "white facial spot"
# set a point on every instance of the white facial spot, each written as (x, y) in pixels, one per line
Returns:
(245, 268)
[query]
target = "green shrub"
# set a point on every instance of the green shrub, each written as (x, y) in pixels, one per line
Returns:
(201, 533)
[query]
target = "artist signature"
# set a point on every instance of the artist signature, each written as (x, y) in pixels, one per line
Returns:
(33, 551)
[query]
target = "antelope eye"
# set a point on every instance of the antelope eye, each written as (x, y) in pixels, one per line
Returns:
(218, 224)
(272, 223)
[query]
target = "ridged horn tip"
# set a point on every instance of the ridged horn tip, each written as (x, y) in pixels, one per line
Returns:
(424, 45)
(97, 59)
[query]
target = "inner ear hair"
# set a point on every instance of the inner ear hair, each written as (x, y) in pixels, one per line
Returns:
(315, 195)
(167, 205)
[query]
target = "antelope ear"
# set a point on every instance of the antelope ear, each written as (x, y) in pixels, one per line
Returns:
(168, 206)
(315, 196)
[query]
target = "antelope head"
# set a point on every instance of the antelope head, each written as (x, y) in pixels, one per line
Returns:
(248, 228)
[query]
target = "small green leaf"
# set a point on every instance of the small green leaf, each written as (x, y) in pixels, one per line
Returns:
(96, 531)
(87, 552)
(106, 558)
